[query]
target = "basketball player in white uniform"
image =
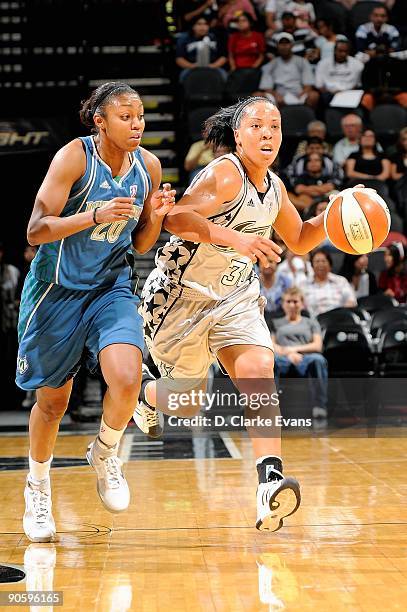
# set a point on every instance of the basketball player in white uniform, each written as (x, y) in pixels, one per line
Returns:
(202, 302)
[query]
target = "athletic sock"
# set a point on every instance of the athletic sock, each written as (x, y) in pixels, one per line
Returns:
(269, 468)
(109, 437)
(39, 470)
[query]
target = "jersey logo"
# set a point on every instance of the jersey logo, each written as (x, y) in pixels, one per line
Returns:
(133, 191)
(250, 203)
(247, 227)
(22, 364)
(105, 185)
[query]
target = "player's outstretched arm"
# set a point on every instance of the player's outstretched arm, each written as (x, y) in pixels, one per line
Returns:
(45, 224)
(188, 219)
(300, 237)
(158, 203)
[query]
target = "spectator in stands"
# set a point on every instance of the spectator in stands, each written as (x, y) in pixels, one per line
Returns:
(393, 280)
(318, 129)
(273, 12)
(298, 345)
(338, 73)
(296, 268)
(326, 39)
(349, 3)
(355, 270)
(311, 183)
(246, 47)
(200, 154)
(352, 128)
(384, 79)
(398, 172)
(376, 32)
(230, 9)
(288, 79)
(330, 170)
(303, 38)
(187, 11)
(303, 12)
(368, 164)
(199, 47)
(272, 287)
(326, 290)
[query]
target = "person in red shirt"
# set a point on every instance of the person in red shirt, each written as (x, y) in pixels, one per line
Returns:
(393, 280)
(246, 47)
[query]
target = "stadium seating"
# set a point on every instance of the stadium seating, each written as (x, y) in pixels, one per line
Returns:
(392, 350)
(338, 316)
(371, 303)
(349, 351)
(388, 119)
(360, 12)
(295, 119)
(241, 83)
(383, 317)
(203, 85)
(196, 119)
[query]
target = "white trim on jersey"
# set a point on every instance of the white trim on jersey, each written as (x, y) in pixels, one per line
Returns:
(93, 162)
(36, 308)
(144, 177)
(90, 182)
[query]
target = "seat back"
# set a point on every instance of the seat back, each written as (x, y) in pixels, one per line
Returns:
(392, 349)
(388, 119)
(337, 317)
(349, 351)
(241, 83)
(386, 316)
(371, 303)
(204, 85)
(294, 120)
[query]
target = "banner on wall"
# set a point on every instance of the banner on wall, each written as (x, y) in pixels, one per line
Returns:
(33, 135)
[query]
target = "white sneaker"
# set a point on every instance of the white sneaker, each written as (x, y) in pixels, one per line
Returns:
(149, 420)
(319, 413)
(38, 522)
(111, 483)
(276, 500)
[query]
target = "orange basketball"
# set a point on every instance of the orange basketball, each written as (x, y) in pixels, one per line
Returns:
(357, 220)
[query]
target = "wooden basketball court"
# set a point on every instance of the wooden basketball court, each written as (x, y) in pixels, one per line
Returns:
(188, 541)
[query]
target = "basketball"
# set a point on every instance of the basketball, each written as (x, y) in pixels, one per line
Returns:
(357, 220)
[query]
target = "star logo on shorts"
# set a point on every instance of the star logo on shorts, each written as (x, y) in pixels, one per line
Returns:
(165, 370)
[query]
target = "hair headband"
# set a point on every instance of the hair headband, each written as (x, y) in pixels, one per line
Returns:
(237, 115)
(104, 95)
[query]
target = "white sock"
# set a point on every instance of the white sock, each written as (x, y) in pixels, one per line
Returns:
(39, 470)
(108, 436)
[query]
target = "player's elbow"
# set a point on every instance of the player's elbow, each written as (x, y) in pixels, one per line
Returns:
(32, 236)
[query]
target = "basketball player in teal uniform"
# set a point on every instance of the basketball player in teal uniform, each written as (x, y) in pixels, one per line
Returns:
(100, 195)
(202, 300)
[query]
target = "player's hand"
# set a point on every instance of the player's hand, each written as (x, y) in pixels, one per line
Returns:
(257, 248)
(163, 201)
(117, 209)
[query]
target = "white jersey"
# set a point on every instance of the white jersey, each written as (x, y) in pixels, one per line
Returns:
(213, 271)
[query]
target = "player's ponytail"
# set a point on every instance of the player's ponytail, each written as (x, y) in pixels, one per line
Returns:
(100, 98)
(219, 128)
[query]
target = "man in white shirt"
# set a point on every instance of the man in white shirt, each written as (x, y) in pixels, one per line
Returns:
(288, 78)
(338, 73)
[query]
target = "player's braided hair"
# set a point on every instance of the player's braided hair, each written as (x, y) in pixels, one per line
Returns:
(219, 128)
(100, 98)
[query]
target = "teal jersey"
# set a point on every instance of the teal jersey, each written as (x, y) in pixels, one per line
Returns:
(95, 257)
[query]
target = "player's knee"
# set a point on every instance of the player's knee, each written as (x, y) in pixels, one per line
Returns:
(262, 367)
(52, 410)
(126, 386)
